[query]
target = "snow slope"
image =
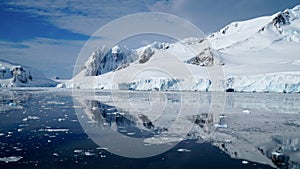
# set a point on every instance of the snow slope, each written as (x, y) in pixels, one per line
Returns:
(260, 54)
(15, 75)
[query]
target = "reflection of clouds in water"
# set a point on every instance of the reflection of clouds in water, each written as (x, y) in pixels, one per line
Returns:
(120, 116)
(268, 135)
(167, 121)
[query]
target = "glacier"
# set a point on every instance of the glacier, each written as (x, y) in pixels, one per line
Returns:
(257, 55)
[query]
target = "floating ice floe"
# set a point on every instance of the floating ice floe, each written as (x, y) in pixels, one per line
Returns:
(87, 153)
(246, 111)
(11, 159)
(221, 125)
(54, 130)
(55, 154)
(12, 104)
(101, 148)
(130, 134)
(78, 151)
(55, 102)
(31, 118)
(61, 119)
(245, 162)
(183, 150)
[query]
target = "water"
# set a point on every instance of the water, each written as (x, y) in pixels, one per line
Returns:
(51, 128)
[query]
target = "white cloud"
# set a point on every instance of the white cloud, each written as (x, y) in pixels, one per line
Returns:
(53, 57)
(210, 16)
(80, 16)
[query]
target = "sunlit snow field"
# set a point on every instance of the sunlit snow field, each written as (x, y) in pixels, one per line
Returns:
(58, 128)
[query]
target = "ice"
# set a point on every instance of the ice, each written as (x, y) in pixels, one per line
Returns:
(257, 55)
(11, 159)
(246, 111)
(31, 118)
(87, 153)
(183, 150)
(101, 148)
(55, 154)
(78, 151)
(61, 119)
(55, 102)
(12, 104)
(221, 125)
(16, 75)
(245, 162)
(54, 130)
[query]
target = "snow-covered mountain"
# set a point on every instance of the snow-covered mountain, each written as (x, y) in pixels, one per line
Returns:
(16, 75)
(260, 54)
(101, 62)
(282, 26)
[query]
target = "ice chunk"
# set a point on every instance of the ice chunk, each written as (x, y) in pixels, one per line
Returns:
(183, 150)
(101, 148)
(31, 118)
(87, 153)
(55, 154)
(54, 130)
(12, 104)
(221, 125)
(245, 162)
(11, 159)
(78, 151)
(246, 111)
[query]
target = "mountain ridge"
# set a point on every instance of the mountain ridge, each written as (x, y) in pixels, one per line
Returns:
(258, 55)
(18, 75)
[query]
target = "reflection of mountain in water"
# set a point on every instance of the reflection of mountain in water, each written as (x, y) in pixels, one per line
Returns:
(11, 100)
(267, 133)
(125, 123)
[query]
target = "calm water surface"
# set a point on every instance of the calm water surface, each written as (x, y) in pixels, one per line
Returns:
(47, 128)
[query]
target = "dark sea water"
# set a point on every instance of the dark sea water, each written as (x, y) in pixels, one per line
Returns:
(52, 129)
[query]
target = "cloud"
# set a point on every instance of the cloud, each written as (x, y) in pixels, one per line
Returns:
(51, 56)
(55, 56)
(81, 16)
(210, 16)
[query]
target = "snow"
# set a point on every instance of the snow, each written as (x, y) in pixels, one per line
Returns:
(257, 55)
(16, 75)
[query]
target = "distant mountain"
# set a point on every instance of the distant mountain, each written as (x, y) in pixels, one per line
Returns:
(16, 75)
(260, 55)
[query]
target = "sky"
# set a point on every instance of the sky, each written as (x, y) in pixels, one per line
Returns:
(49, 34)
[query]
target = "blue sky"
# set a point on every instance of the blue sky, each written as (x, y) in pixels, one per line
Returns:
(48, 34)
